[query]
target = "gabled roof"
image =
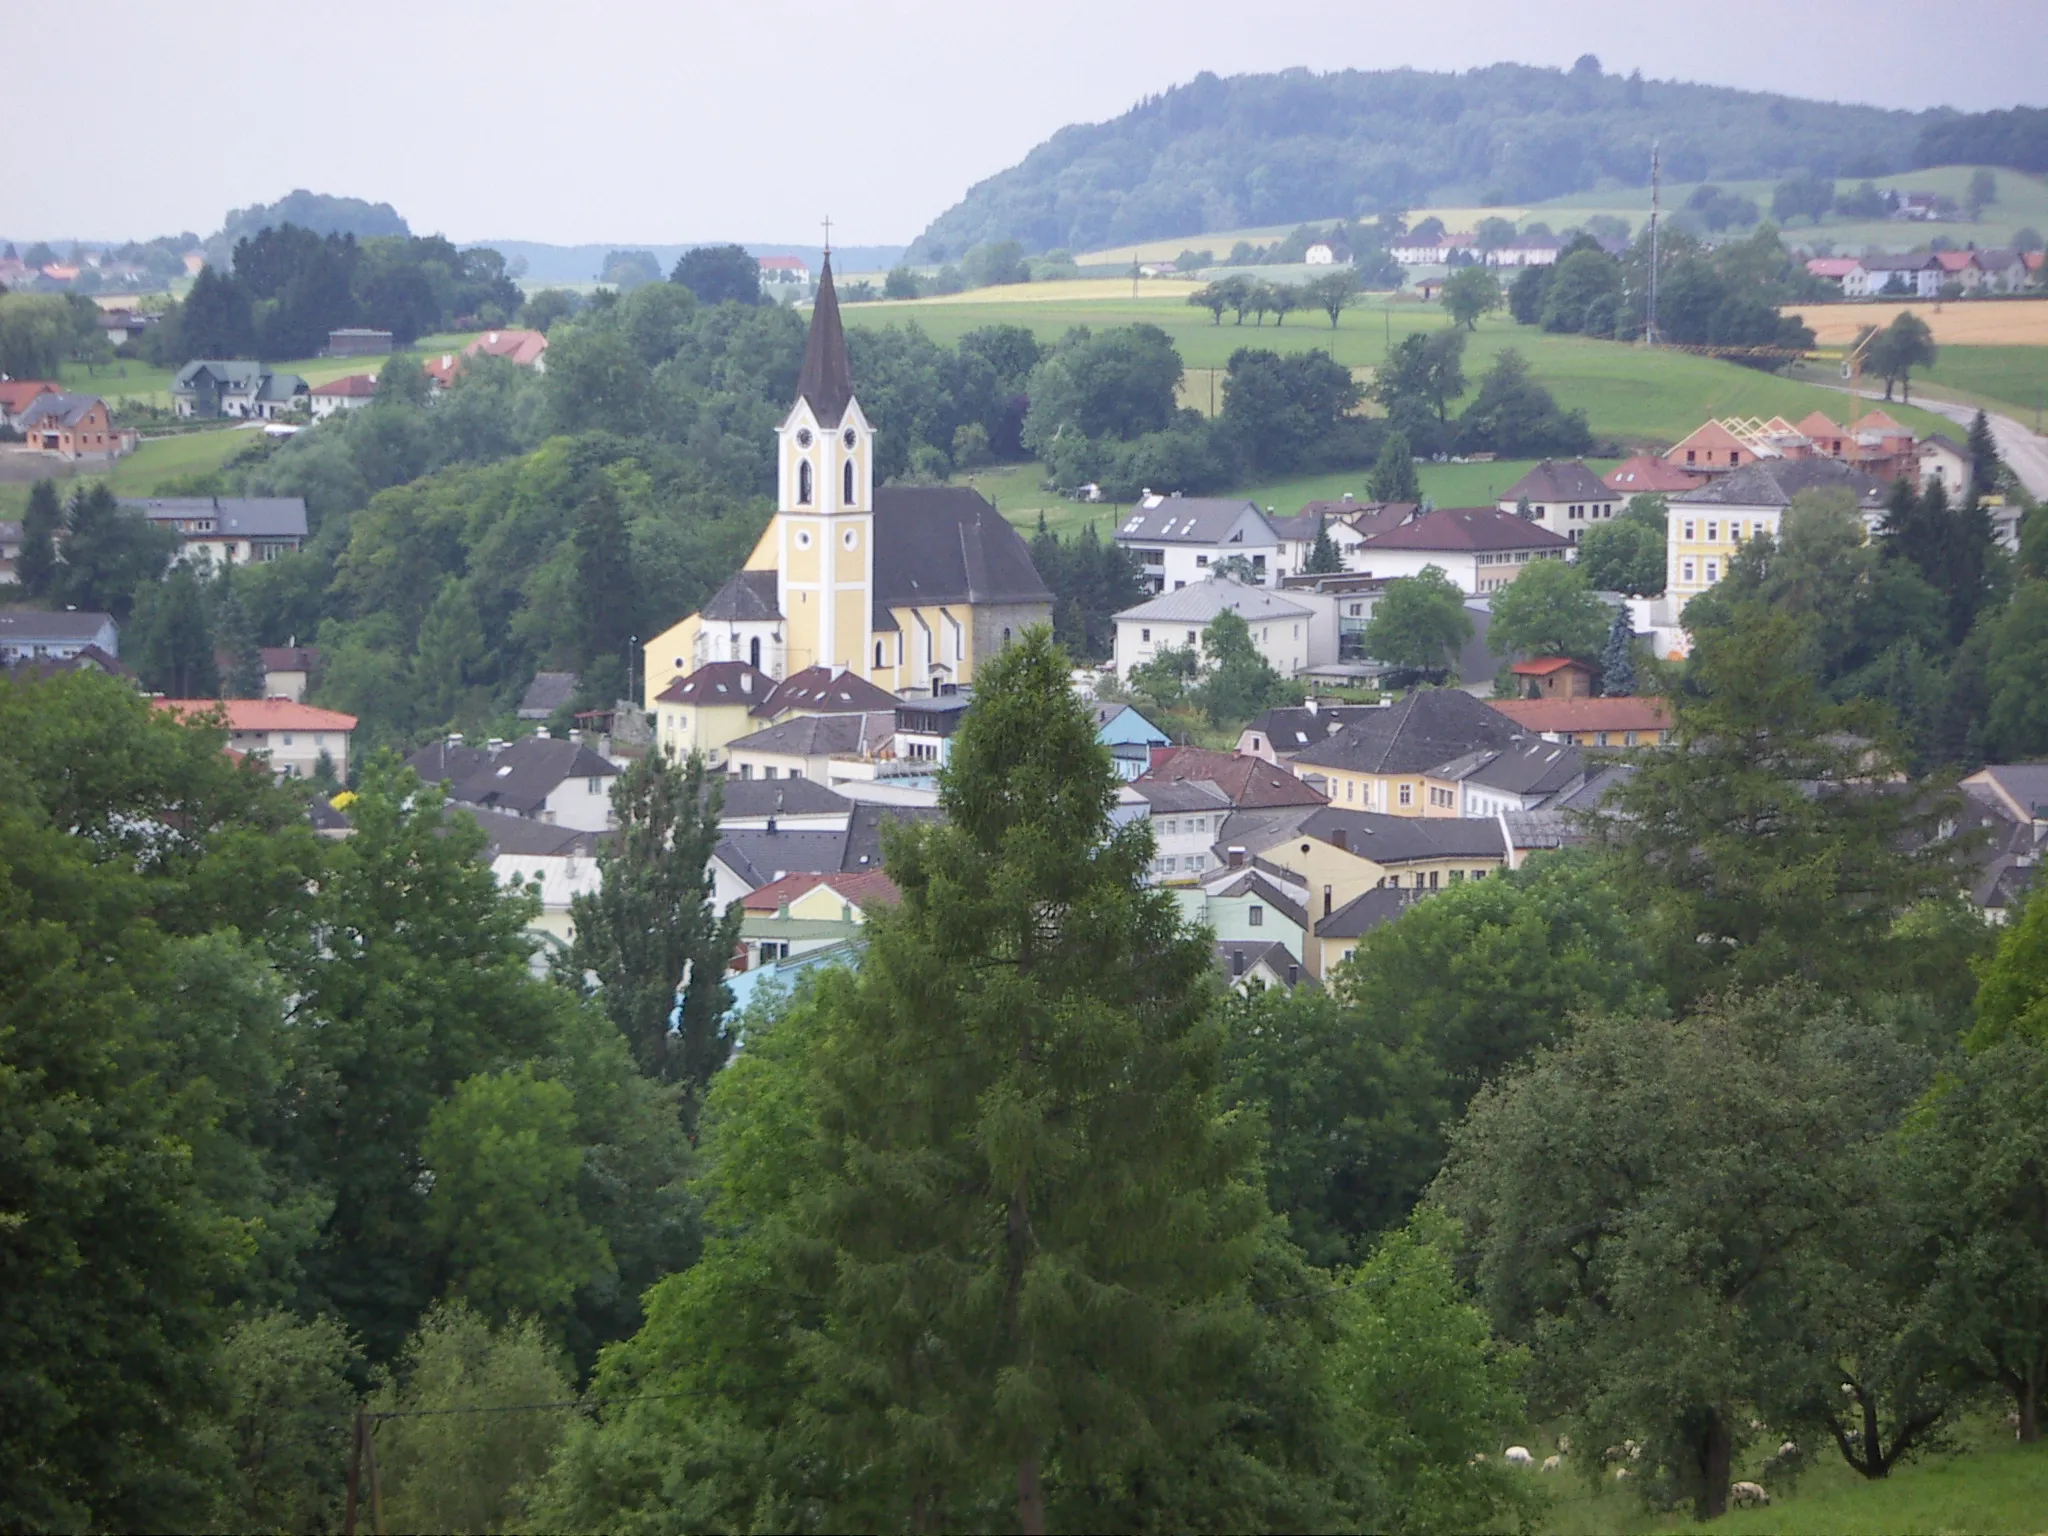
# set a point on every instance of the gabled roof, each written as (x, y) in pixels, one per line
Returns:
(865, 889)
(2019, 789)
(64, 410)
(1388, 839)
(1625, 713)
(1239, 958)
(825, 382)
(356, 386)
(746, 597)
(1559, 480)
(521, 776)
(236, 372)
(1774, 482)
(1466, 528)
(1253, 886)
(521, 347)
(1291, 728)
(1173, 797)
(1816, 424)
(16, 393)
(1202, 601)
(524, 836)
(21, 624)
(824, 690)
(240, 517)
(748, 798)
(1360, 915)
(822, 736)
(548, 692)
(864, 831)
(759, 857)
(1534, 767)
(263, 714)
(1646, 474)
(945, 544)
(1428, 727)
(732, 683)
(289, 658)
(1833, 266)
(1192, 520)
(1247, 782)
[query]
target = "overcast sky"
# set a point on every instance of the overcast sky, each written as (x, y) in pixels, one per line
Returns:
(637, 121)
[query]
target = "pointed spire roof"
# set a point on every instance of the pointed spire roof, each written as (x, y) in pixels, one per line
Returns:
(826, 382)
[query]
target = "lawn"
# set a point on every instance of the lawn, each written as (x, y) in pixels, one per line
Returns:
(1994, 1486)
(1637, 396)
(1018, 492)
(156, 463)
(126, 380)
(2015, 377)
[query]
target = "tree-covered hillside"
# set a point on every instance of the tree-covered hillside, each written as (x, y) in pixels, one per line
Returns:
(1220, 154)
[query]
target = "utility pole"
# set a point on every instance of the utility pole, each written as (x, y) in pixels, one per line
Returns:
(1656, 207)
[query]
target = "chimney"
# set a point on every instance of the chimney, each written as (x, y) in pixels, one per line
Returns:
(1309, 703)
(771, 824)
(1235, 857)
(1237, 962)
(543, 733)
(1340, 840)
(746, 682)
(1347, 496)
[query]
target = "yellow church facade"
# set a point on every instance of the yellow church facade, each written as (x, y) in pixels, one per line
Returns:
(907, 587)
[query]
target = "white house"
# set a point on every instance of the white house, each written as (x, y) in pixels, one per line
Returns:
(29, 634)
(291, 737)
(1297, 535)
(1872, 277)
(1187, 817)
(1281, 627)
(348, 394)
(1321, 254)
(1943, 461)
(1563, 496)
(1178, 540)
(229, 530)
(557, 864)
(560, 783)
(1481, 549)
(236, 387)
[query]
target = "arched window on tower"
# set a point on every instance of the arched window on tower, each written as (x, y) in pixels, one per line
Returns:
(754, 653)
(848, 497)
(803, 484)
(878, 654)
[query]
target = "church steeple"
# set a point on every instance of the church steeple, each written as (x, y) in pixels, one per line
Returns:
(826, 382)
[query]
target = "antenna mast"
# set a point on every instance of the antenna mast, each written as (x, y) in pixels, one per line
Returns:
(1656, 206)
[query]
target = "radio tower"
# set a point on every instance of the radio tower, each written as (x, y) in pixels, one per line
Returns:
(1656, 204)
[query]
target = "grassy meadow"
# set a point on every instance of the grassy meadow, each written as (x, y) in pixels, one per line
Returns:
(123, 379)
(158, 462)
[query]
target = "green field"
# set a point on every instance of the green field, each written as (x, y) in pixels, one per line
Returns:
(1995, 1486)
(125, 380)
(157, 462)
(2013, 377)
(2022, 202)
(1639, 397)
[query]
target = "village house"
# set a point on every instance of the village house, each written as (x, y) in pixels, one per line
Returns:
(228, 530)
(1481, 549)
(1943, 461)
(710, 708)
(1261, 928)
(1411, 252)
(1297, 535)
(1283, 629)
(1336, 938)
(288, 671)
(1645, 474)
(292, 738)
(796, 805)
(906, 586)
(1178, 541)
(1527, 251)
(1563, 496)
(560, 783)
(555, 863)
(1618, 721)
(30, 634)
(1500, 781)
(785, 278)
(15, 395)
(548, 693)
(1833, 269)
(800, 913)
(346, 394)
(1381, 760)
(1279, 734)
(816, 747)
(1552, 677)
(1130, 738)
(1186, 816)
(1705, 528)
(73, 427)
(239, 388)
(1918, 277)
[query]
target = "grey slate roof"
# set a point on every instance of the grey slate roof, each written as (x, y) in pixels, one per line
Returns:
(749, 596)
(1560, 480)
(749, 798)
(1428, 727)
(945, 544)
(24, 625)
(1404, 839)
(444, 762)
(519, 777)
(62, 410)
(1774, 482)
(1533, 767)
(1257, 885)
(239, 372)
(1202, 601)
(548, 692)
(1242, 957)
(1291, 728)
(522, 835)
(1188, 520)
(1360, 915)
(821, 735)
(719, 682)
(864, 832)
(1466, 528)
(240, 517)
(826, 380)
(1172, 797)
(758, 857)
(2025, 783)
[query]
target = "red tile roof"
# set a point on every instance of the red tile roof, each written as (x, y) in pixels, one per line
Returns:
(356, 386)
(1543, 666)
(263, 714)
(1466, 528)
(864, 889)
(1646, 473)
(1618, 714)
(15, 394)
(522, 347)
(1250, 783)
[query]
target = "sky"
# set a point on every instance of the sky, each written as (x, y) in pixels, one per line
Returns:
(635, 121)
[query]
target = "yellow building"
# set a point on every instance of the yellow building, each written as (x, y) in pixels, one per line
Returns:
(1705, 529)
(1383, 759)
(907, 587)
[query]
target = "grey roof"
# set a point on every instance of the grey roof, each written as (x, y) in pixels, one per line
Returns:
(64, 410)
(1188, 520)
(1404, 839)
(2025, 783)
(1592, 794)
(749, 798)
(1170, 797)
(1466, 528)
(10, 531)
(821, 735)
(244, 517)
(749, 596)
(825, 691)
(282, 386)
(1257, 829)
(826, 380)
(864, 832)
(1302, 527)
(1241, 957)
(26, 624)
(1362, 914)
(758, 857)
(1257, 885)
(1201, 602)
(522, 835)
(1560, 480)
(1291, 728)
(518, 777)
(1774, 482)
(238, 371)
(444, 762)
(1428, 727)
(1532, 767)
(548, 692)
(945, 544)
(735, 683)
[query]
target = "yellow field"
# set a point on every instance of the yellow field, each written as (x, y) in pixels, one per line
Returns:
(1977, 323)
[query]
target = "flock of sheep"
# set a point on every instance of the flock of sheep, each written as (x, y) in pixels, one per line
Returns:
(1741, 1495)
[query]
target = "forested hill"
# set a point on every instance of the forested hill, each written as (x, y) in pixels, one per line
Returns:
(1252, 150)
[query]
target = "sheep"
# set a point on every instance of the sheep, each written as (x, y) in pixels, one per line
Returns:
(1517, 1456)
(1635, 1450)
(1621, 1474)
(1613, 1453)
(1564, 1445)
(1551, 1463)
(1789, 1451)
(1478, 1458)
(1745, 1494)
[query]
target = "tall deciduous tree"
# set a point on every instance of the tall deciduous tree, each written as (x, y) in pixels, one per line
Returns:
(110, 553)
(1470, 293)
(1898, 349)
(650, 935)
(1241, 682)
(172, 640)
(1548, 610)
(1393, 472)
(1420, 622)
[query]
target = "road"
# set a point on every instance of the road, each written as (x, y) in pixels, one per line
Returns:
(2025, 453)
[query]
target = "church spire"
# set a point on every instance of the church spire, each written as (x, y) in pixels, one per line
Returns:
(826, 382)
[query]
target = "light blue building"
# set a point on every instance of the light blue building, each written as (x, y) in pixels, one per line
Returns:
(1130, 738)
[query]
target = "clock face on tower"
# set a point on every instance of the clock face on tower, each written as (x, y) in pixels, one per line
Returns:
(847, 437)
(803, 437)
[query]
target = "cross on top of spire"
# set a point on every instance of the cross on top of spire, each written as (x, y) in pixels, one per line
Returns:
(828, 234)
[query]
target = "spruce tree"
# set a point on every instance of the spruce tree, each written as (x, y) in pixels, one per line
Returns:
(36, 567)
(650, 934)
(607, 592)
(1984, 460)
(171, 640)
(234, 638)
(1617, 661)
(1323, 558)
(1037, 1223)
(1393, 472)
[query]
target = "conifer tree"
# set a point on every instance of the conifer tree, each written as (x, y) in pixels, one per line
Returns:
(1323, 558)
(1040, 1224)
(607, 599)
(1618, 662)
(234, 638)
(36, 567)
(1984, 460)
(1393, 472)
(650, 934)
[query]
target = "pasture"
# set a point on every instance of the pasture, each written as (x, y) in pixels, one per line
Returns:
(158, 462)
(125, 379)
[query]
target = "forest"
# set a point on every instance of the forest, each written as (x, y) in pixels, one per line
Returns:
(1275, 149)
(1027, 1222)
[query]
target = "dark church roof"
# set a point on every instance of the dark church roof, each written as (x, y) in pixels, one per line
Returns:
(944, 544)
(748, 597)
(826, 381)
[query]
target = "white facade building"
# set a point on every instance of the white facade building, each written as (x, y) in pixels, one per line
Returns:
(1282, 628)
(1180, 540)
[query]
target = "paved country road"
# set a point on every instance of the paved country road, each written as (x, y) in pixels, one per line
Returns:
(2025, 453)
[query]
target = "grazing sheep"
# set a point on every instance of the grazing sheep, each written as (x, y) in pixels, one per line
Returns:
(1613, 1453)
(1745, 1494)
(1517, 1456)
(1635, 1451)
(1789, 1451)
(1478, 1457)
(1551, 1463)
(1564, 1445)
(1621, 1474)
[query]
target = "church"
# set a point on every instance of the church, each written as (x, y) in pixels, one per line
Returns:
(904, 586)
